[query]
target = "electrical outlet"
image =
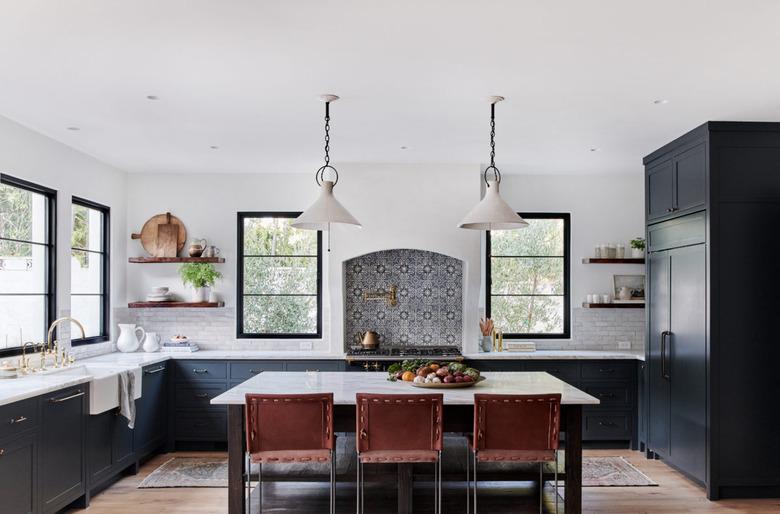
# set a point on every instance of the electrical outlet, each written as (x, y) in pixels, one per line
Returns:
(306, 345)
(624, 345)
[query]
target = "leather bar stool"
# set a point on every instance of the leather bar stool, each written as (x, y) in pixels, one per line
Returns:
(290, 428)
(515, 428)
(399, 429)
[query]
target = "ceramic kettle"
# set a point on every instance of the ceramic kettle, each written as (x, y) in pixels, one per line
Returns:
(369, 339)
(129, 340)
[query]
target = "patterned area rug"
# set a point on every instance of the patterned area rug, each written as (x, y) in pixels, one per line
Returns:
(212, 472)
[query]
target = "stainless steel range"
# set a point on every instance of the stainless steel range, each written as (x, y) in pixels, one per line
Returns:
(378, 359)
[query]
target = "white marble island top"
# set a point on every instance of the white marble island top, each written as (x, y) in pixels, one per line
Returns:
(344, 385)
(559, 355)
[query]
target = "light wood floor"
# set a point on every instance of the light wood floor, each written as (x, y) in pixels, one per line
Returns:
(675, 495)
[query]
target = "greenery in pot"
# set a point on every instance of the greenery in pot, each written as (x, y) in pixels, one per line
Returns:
(199, 275)
(638, 243)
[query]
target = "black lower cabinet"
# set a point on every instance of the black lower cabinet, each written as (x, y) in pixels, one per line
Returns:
(110, 448)
(18, 480)
(151, 411)
(62, 470)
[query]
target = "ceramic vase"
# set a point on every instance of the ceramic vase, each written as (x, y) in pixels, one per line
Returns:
(151, 342)
(129, 340)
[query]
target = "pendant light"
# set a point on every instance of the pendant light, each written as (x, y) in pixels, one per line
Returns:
(492, 212)
(326, 210)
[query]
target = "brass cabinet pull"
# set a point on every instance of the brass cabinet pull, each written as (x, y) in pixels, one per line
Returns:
(153, 371)
(606, 370)
(2, 452)
(201, 395)
(664, 344)
(255, 371)
(60, 400)
(312, 370)
(605, 395)
(607, 424)
(200, 371)
(18, 420)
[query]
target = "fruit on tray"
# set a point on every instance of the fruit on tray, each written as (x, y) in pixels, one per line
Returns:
(421, 372)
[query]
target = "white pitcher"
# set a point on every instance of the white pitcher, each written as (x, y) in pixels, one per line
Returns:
(128, 341)
(151, 342)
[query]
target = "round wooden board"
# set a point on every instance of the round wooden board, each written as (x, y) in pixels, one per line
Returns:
(149, 233)
(456, 385)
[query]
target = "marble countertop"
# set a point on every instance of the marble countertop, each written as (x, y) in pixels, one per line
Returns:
(17, 389)
(558, 355)
(344, 385)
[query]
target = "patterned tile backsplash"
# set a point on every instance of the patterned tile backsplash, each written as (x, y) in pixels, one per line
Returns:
(429, 291)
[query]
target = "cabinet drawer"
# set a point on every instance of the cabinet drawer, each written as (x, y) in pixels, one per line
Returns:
(606, 426)
(683, 231)
(201, 370)
(611, 394)
(496, 365)
(18, 417)
(566, 371)
(201, 427)
(607, 370)
(243, 370)
(198, 396)
(329, 365)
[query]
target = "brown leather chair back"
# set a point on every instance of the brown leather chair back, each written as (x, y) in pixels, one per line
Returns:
(399, 422)
(516, 422)
(289, 422)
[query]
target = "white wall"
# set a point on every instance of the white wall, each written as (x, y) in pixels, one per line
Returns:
(400, 206)
(603, 208)
(31, 156)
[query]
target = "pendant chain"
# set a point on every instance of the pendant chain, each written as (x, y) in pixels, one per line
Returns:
(492, 135)
(327, 133)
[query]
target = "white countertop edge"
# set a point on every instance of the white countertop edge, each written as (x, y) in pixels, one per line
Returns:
(50, 384)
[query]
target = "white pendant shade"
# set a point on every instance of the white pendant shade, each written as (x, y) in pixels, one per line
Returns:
(492, 213)
(324, 211)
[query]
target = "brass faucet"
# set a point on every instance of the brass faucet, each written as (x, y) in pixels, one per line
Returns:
(390, 296)
(24, 364)
(59, 354)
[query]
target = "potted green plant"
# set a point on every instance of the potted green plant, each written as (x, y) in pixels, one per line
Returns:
(201, 276)
(638, 248)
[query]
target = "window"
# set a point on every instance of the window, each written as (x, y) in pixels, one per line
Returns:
(528, 278)
(27, 262)
(89, 270)
(279, 277)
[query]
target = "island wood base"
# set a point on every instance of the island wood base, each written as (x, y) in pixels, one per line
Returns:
(457, 418)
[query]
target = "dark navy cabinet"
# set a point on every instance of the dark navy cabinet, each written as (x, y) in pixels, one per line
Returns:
(18, 480)
(62, 470)
(151, 411)
(710, 380)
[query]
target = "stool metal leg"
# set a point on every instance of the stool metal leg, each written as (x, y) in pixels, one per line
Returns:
(260, 486)
(333, 482)
(556, 481)
(439, 484)
(248, 483)
(468, 481)
(358, 483)
(541, 487)
(475, 482)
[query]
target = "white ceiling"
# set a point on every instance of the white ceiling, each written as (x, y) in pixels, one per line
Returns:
(244, 75)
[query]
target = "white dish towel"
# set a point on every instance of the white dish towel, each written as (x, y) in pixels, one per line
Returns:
(127, 397)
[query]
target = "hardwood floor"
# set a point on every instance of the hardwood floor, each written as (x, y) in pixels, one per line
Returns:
(675, 495)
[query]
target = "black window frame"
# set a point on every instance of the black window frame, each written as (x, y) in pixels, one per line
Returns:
(105, 315)
(240, 334)
(566, 334)
(51, 254)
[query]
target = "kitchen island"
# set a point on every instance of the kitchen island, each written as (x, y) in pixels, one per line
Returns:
(458, 417)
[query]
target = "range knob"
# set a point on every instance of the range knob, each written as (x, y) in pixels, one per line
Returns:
(377, 366)
(366, 366)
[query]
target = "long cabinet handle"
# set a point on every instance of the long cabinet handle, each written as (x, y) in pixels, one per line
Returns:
(202, 395)
(200, 371)
(60, 400)
(153, 371)
(664, 347)
(18, 420)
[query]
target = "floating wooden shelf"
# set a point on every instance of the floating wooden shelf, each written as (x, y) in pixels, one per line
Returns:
(173, 305)
(159, 260)
(613, 305)
(589, 260)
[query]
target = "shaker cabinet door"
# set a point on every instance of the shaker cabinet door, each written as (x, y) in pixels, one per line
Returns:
(658, 284)
(690, 178)
(660, 190)
(688, 364)
(18, 484)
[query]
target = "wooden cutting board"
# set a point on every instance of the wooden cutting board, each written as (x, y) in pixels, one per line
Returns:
(162, 235)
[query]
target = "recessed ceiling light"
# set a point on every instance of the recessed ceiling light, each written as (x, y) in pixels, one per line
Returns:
(214, 147)
(661, 101)
(595, 149)
(74, 129)
(152, 97)
(404, 148)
